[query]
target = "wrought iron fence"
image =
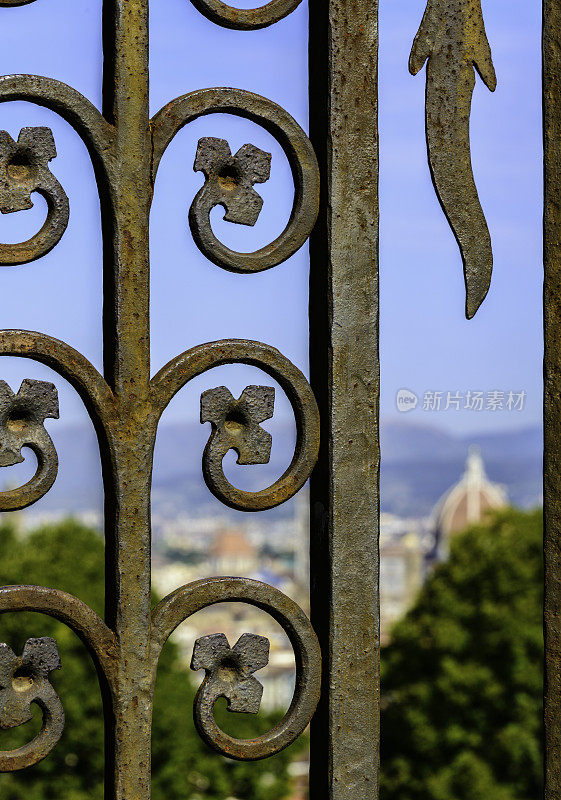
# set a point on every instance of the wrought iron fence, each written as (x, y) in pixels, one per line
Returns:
(341, 403)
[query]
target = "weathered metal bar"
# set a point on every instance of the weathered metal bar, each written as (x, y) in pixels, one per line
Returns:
(128, 349)
(344, 366)
(127, 370)
(552, 393)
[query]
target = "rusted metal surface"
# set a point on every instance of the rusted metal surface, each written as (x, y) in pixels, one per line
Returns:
(453, 41)
(229, 670)
(235, 426)
(345, 377)
(198, 595)
(552, 394)
(24, 168)
(297, 148)
(244, 19)
(229, 182)
(166, 383)
(125, 405)
(22, 418)
(100, 641)
(25, 680)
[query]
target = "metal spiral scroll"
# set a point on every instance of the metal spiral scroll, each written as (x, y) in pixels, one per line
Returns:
(22, 415)
(22, 418)
(297, 147)
(23, 170)
(244, 19)
(25, 680)
(187, 600)
(192, 363)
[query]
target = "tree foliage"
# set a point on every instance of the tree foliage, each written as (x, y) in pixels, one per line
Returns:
(70, 556)
(462, 677)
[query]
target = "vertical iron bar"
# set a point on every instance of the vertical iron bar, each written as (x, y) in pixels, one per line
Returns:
(128, 348)
(552, 393)
(127, 368)
(344, 365)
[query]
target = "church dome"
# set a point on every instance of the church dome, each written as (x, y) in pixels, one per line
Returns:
(230, 542)
(467, 502)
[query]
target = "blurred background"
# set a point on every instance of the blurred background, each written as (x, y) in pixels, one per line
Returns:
(460, 410)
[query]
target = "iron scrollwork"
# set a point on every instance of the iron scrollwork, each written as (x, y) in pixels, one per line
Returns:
(22, 418)
(25, 680)
(453, 41)
(187, 600)
(297, 147)
(126, 404)
(24, 169)
(245, 19)
(166, 383)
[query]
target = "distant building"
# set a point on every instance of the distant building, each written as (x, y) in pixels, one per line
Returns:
(231, 553)
(401, 570)
(466, 503)
(408, 548)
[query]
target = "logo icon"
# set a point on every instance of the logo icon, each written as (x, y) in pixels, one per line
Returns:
(406, 400)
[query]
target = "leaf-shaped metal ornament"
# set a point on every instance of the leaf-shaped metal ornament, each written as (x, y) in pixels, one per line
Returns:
(452, 37)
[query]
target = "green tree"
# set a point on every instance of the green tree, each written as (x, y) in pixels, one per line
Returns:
(70, 556)
(462, 676)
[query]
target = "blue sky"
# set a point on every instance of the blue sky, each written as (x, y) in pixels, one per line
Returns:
(427, 345)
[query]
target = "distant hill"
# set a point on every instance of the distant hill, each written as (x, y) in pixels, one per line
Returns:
(418, 464)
